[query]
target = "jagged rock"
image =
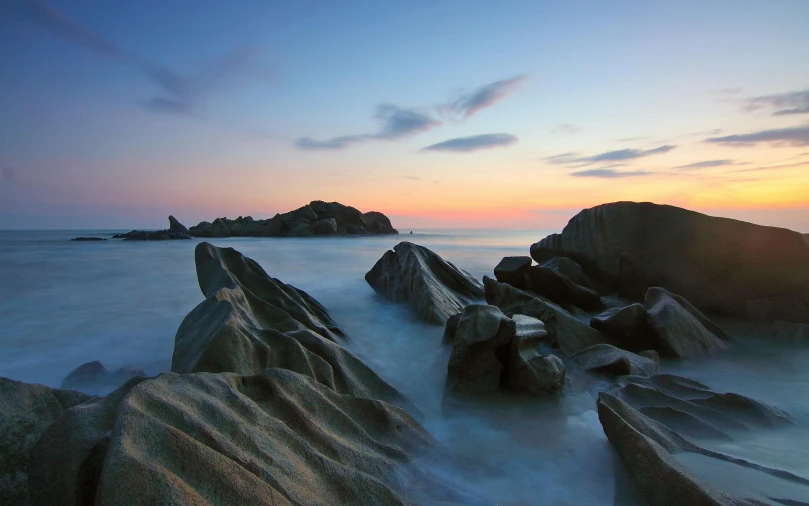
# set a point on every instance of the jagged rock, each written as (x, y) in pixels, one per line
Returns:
(679, 333)
(326, 226)
(479, 349)
(250, 321)
(566, 332)
(219, 228)
(434, 287)
(654, 293)
(633, 246)
(560, 289)
(627, 326)
(529, 371)
(450, 328)
(176, 226)
(607, 359)
(93, 377)
(277, 437)
(26, 410)
(202, 229)
(67, 460)
(514, 271)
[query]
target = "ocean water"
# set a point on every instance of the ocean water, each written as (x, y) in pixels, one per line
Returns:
(65, 303)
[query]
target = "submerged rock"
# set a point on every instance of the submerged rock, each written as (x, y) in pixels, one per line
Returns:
(566, 332)
(633, 246)
(434, 287)
(607, 359)
(94, 377)
(26, 411)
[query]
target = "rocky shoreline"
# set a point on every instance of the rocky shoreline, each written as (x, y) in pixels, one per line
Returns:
(265, 405)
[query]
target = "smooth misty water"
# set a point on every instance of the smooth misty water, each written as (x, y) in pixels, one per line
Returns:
(66, 303)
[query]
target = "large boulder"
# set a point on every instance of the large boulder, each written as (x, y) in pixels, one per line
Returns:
(479, 349)
(718, 264)
(529, 371)
(566, 332)
(561, 289)
(93, 377)
(570, 269)
(609, 360)
(251, 321)
(377, 223)
(26, 410)
(627, 326)
(514, 271)
(654, 294)
(326, 226)
(300, 230)
(434, 287)
(679, 333)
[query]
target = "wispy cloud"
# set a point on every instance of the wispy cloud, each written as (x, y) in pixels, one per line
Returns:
(611, 173)
(791, 136)
(483, 97)
(705, 164)
(473, 143)
(179, 93)
(566, 129)
(395, 123)
(776, 167)
(621, 155)
(793, 102)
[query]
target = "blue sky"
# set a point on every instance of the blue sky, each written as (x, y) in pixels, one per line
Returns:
(438, 113)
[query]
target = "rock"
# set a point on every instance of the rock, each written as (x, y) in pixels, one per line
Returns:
(94, 378)
(67, 461)
(514, 271)
(676, 386)
(176, 226)
(88, 239)
(435, 288)
(560, 289)
(479, 349)
(566, 332)
(784, 332)
(748, 411)
(377, 223)
(789, 309)
(679, 333)
(627, 326)
(203, 229)
(219, 228)
(529, 371)
(303, 214)
(718, 264)
(250, 322)
(653, 295)
(607, 359)
(684, 423)
(277, 437)
(327, 226)
(570, 269)
(450, 328)
(301, 230)
(26, 410)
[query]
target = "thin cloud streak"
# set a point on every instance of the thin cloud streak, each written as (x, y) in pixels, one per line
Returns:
(791, 136)
(621, 155)
(473, 143)
(610, 173)
(484, 97)
(705, 164)
(793, 102)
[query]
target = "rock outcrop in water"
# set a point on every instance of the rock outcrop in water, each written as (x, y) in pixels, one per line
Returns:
(94, 377)
(175, 231)
(718, 264)
(609, 360)
(434, 287)
(315, 219)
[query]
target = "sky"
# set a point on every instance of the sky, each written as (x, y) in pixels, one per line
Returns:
(480, 114)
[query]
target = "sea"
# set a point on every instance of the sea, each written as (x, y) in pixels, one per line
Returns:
(65, 303)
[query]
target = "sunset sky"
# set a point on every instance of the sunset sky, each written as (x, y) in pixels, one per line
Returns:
(513, 114)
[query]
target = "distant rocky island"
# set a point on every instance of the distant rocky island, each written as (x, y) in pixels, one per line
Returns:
(318, 218)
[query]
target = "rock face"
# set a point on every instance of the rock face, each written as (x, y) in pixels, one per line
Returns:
(176, 226)
(562, 290)
(514, 271)
(718, 264)
(483, 336)
(251, 321)
(175, 231)
(95, 378)
(434, 287)
(679, 332)
(566, 332)
(609, 360)
(490, 351)
(26, 410)
(316, 218)
(627, 326)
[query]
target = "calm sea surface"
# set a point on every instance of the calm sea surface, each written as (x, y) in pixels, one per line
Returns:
(65, 303)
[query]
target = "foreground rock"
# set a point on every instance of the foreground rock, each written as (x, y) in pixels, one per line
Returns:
(549, 280)
(679, 333)
(435, 288)
(565, 332)
(26, 411)
(609, 360)
(627, 326)
(316, 218)
(93, 377)
(491, 351)
(175, 231)
(633, 246)
(514, 271)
